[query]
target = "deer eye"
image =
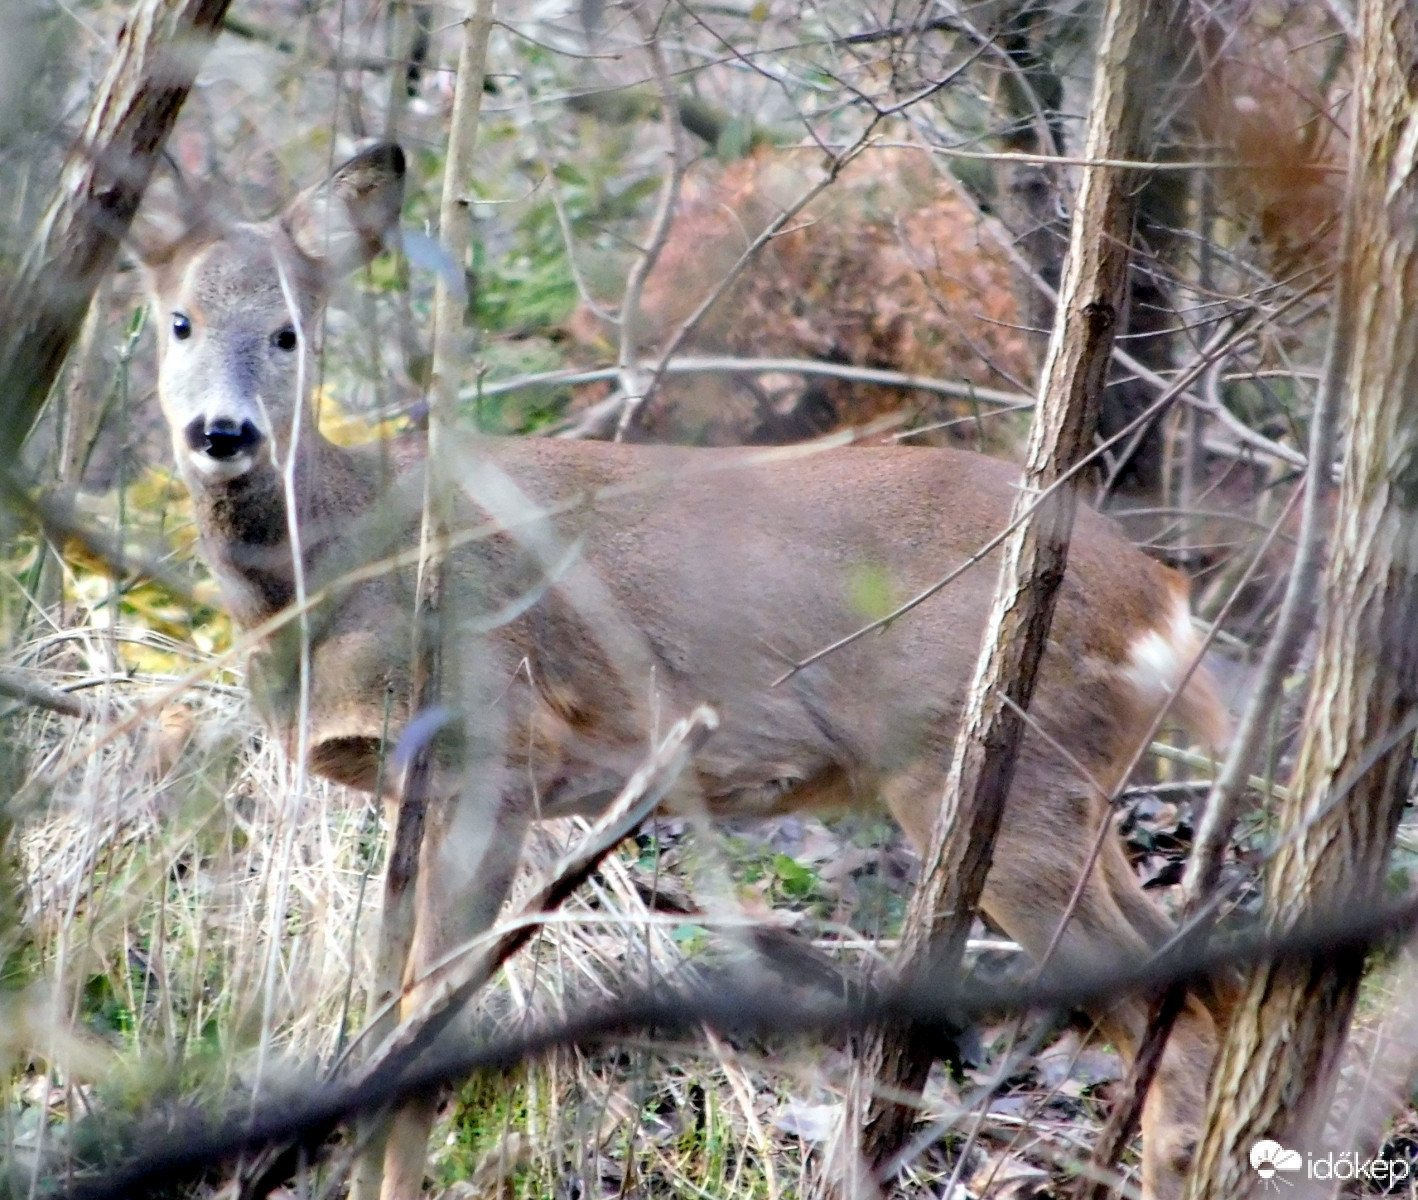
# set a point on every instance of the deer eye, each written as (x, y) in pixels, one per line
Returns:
(284, 339)
(181, 327)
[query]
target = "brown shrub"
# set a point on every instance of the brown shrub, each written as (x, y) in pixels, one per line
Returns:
(1269, 103)
(888, 268)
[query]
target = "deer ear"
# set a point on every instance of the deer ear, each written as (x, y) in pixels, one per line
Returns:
(171, 213)
(345, 221)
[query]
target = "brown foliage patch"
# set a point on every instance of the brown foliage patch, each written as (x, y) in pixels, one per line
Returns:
(889, 268)
(1269, 103)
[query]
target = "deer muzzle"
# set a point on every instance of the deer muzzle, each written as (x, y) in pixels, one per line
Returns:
(223, 439)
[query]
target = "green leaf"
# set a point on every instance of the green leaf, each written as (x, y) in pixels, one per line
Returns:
(796, 880)
(869, 591)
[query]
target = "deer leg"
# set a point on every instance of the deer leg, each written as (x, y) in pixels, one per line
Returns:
(1043, 848)
(1029, 888)
(1218, 994)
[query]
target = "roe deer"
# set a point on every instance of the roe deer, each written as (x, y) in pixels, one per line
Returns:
(671, 577)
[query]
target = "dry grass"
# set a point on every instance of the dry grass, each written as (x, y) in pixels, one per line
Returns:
(194, 929)
(195, 926)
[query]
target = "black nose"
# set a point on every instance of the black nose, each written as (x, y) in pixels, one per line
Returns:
(222, 438)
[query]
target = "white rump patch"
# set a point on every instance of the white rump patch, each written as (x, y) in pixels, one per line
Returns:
(1158, 658)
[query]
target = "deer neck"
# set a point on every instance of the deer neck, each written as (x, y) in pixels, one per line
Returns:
(246, 530)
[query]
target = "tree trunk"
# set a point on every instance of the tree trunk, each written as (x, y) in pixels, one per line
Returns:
(1031, 204)
(1276, 1070)
(1091, 297)
(159, 50)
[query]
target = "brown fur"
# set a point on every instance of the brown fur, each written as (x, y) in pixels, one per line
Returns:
(692, 576)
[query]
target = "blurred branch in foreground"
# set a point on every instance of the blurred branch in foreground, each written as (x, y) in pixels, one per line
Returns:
(742, 1008)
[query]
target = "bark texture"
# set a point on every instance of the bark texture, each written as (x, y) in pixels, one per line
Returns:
(99, 188)
(1031, 204)
(1276, 1070)
(1091, 296)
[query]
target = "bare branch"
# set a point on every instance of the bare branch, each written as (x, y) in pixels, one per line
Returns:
(19, 686)
(730, 1009)
(634, 386)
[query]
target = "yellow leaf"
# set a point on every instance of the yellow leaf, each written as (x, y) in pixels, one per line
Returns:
(349, 429)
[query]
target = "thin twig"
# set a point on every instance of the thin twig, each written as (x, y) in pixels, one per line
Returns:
(1297, 613)
(634, 387)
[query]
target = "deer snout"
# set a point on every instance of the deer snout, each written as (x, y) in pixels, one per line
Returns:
(222, 438)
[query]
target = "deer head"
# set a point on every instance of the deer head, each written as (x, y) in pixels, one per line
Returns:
(239, 314)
